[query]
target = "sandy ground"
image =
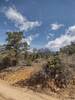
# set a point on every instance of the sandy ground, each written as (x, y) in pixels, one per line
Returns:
(8, 92)
(20, 74)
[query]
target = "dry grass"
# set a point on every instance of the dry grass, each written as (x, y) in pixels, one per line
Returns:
(19, 75)
(22, 73)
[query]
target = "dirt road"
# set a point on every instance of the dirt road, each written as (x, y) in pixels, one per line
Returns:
(8, 92)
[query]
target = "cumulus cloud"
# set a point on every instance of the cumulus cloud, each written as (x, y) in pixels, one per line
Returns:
(21, 22)
(71, 30)
(30, 38)
(63, 40)
(56, 26)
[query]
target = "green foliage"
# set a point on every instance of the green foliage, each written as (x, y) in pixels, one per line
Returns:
(53, 62)
(28, 63)
(70, 49)
(15, 44)
(13, 39)
(6, 61)
(58, 71)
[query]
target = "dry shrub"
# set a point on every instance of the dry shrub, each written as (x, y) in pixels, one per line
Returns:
(7, 61)
(53, 75)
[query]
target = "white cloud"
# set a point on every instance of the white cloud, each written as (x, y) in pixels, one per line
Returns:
(56, 26)
(71, 30)
(50, 36)
(63, 40)
(21, 22)
(30, 38)
(30, 50)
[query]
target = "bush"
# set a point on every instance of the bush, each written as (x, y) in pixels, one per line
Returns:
(58, 71)
(6, 61)
(28, 63)
(14, 62)
(54, 71)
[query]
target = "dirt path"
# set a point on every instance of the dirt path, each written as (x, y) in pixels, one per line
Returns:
(8, 92)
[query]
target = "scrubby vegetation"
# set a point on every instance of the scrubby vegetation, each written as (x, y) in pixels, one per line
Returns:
(13, 49)
(69, 50)
(54, 73)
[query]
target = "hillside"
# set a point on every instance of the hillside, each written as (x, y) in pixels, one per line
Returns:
(45, 73)
(16, 75)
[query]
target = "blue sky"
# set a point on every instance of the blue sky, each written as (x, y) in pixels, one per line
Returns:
(45, 23)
